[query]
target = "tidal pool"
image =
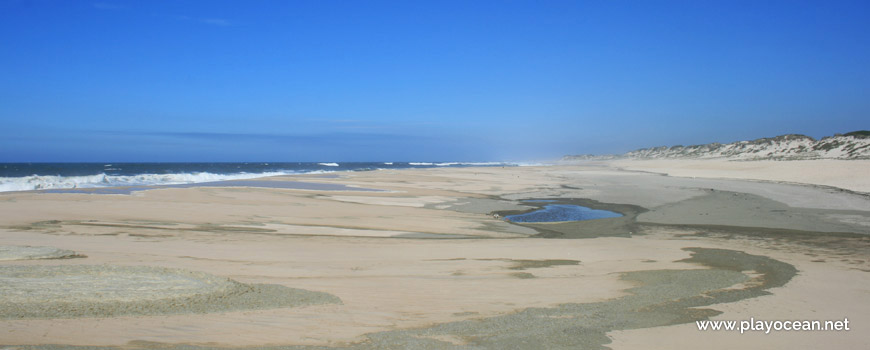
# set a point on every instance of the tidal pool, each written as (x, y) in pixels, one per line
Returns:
(562, 212)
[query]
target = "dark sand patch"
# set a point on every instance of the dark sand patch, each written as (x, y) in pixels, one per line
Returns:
(813, 244)
(521, 264)
(843, 247)
(165, 230)
(537, 264)
(424, 235)
(71, 291)
(12, 252)
(522, 275)
(663, 297)
(729, 211)
(738, 209)
(467, 313)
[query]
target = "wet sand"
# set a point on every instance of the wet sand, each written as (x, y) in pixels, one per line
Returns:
(73, 291)
(424, 263)
(33, 253)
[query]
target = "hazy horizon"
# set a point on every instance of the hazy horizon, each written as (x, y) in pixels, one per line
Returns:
(433, 161)
(309, 81)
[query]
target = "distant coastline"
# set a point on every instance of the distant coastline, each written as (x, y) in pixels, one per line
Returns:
(852, 145)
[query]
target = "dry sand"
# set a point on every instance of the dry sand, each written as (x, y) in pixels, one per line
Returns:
(846, 174)
(423, 263)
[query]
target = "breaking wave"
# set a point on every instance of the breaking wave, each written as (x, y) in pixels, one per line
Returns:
(50, 176)
(471, 164)
(45, 182)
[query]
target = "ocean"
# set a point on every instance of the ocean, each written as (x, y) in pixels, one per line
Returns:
(47, 176)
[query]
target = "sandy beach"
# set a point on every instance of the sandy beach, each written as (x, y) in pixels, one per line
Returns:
(423, 259)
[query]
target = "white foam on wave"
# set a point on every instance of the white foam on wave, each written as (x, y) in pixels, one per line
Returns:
(532, 164)
(472, 163)
(45, 182)
(446, 164)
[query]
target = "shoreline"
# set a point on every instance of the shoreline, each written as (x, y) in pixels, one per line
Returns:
(393, 286)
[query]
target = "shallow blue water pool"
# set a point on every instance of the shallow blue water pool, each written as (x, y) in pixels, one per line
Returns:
(563, 212)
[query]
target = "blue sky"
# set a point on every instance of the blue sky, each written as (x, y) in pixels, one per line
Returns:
(420, 80)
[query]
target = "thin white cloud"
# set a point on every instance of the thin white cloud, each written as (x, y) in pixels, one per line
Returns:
(107, 6)
(211, 20)
(215, 21)
(334, 121)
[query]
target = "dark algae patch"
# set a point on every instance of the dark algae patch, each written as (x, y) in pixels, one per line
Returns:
(665, 297)
(772, 273)
(522, 275)
(537, 264)
(662, 298)
(72, 291)
(522, 264)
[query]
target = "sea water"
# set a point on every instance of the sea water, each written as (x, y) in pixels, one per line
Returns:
(45, 176)
(562, 212)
